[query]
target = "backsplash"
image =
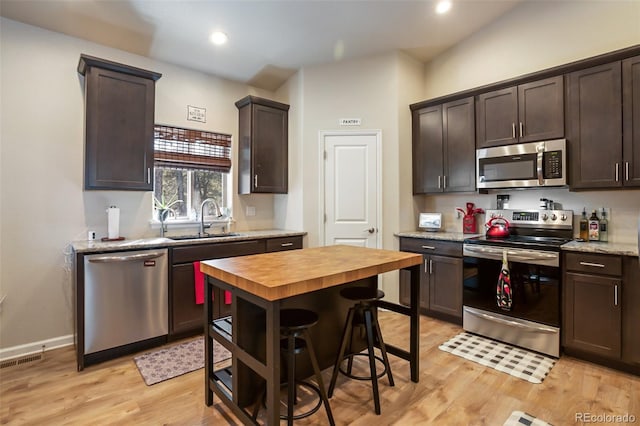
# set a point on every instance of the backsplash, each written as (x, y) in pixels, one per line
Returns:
(623, 208)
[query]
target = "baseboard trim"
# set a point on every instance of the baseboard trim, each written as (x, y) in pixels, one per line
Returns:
(35, 347)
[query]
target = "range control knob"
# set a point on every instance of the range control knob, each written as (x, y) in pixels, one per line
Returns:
(553, 216)
(563, 217)
(545, 217)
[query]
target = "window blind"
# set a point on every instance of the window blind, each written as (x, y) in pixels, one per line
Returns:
(191, 149)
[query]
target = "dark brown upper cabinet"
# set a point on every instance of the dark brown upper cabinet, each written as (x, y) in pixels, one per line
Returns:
(119, 118)
(594, 128)
(525, 113)
(631, 121)
(444, 147)
(263, 146)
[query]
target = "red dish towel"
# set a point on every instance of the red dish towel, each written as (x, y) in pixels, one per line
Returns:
(199, 286)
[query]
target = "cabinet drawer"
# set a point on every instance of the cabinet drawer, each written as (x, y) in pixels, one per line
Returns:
(593, 263)
(284, 243)
(216, 251)
(425, 246)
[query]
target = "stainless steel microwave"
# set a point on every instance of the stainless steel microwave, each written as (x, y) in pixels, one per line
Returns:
(524, 165)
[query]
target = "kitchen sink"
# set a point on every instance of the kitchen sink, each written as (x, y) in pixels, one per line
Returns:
(205, 236)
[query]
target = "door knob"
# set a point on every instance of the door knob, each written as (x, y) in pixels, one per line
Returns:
(371, 230)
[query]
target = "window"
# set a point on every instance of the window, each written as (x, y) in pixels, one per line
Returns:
(190, 166)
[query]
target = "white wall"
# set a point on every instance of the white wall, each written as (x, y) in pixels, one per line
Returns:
(518, 44)
(533, 36)
(43, 205)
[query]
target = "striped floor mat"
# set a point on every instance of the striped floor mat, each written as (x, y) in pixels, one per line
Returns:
(526, 365)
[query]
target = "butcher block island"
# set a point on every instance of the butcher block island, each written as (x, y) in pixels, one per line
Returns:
(310, 278)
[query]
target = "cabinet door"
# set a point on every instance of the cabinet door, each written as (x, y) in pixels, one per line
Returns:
(459, 154)
(119, 114)
(269, 150)
(427, 150)
(631, 120)
(631, 312)
(592, 314)
(541, 110)
(445, 285)
(186, 315)
(496, 118)
(405, 285)
(594, 130)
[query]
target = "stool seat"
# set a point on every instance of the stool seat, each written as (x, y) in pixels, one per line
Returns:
(362, 294)
(297, 319)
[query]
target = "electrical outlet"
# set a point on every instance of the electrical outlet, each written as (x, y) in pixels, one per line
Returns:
(251, 211)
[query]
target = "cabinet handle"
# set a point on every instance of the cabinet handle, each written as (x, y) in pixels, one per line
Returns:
(597, 265)
(286, 244)
(255, 181)
(148, 174)
(425, 267)
(615, 295)
(430, 266)
(439, 181)
(617, 172)
(444, 180)
(521, 129)
(429, 247)
(626, 171)
(513, 130)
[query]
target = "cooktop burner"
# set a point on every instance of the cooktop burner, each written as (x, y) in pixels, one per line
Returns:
(532, 229)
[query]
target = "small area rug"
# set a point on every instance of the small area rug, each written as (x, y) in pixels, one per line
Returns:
(520, 363)
(520, 418)
(174, 361)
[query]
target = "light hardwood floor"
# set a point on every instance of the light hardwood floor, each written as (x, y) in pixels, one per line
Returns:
(451, 391)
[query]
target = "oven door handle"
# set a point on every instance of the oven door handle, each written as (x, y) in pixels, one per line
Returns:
(516, 324)
(513, 255)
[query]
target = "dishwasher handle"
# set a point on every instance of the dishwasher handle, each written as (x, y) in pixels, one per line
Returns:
(125, 258)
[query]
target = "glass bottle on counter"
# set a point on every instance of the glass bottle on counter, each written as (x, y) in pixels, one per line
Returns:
(594, 227)
(584, 225)
(604, 225)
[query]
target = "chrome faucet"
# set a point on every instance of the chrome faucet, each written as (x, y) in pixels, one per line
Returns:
(217, 212)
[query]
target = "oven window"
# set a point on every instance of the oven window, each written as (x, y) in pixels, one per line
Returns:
(513, 167)
(535, 289)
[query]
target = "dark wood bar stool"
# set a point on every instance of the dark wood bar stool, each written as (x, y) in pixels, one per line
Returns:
(363, 313)
(294, 330)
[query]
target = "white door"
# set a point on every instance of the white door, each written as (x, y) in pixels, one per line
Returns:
(352, 200)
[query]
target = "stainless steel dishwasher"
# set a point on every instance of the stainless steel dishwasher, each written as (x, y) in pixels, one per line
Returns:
(125, 298)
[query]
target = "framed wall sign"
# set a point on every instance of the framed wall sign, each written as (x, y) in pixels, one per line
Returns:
(196, 114)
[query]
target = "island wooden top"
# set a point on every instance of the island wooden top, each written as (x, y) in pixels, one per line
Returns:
(278, 275)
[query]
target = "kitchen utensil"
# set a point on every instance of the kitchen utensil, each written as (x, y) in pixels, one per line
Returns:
(496, 229)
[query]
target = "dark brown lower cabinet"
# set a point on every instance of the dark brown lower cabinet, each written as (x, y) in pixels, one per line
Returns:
(185, 316)
(601, 295)
(592, 314)
(631, 312)
(440, 278)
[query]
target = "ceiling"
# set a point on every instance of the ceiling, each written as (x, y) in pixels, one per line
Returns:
(269, 40)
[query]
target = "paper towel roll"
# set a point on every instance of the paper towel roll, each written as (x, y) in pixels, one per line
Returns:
(113, 219)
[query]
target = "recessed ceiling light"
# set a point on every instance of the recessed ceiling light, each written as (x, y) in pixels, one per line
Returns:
(218, 38)
(443, 6)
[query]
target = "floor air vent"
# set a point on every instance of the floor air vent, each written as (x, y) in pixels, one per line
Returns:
(27, 359)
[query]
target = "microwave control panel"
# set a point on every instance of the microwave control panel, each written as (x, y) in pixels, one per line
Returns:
(553, 164)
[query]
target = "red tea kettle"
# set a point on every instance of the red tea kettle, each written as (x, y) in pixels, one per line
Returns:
(495, 229)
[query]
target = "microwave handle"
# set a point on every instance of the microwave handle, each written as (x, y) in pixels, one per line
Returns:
(540, 158)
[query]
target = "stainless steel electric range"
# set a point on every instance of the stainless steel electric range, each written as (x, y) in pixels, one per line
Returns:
(532, 319)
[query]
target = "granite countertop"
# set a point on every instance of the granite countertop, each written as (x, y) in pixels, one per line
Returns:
(624, 249)
(447, 236)
(158, 242)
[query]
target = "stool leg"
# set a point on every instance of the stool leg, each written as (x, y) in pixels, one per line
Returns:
(291, 377)
(383, 349)
(343, 345)
(372, 360)
(316, 369)
(350, 346)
